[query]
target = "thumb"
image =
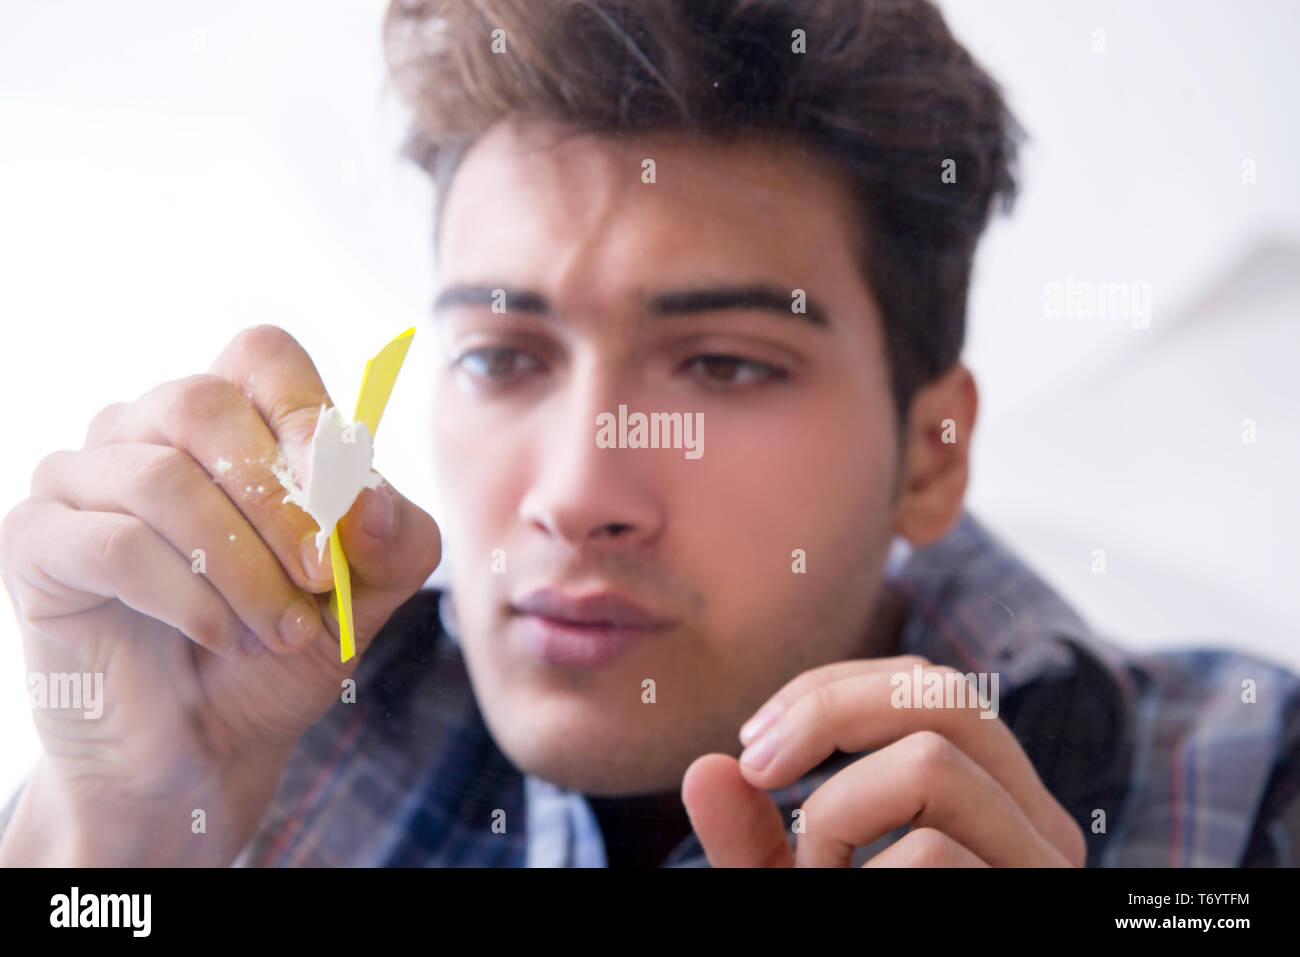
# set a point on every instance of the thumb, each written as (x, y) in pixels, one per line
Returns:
(738, 824)
(392, 546)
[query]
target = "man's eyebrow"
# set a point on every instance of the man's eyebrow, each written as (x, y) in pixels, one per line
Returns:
(754, 297)
(682, 302)
(515, 300)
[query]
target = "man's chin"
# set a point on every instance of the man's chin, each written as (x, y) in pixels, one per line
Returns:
(589, 755)
(592, 732)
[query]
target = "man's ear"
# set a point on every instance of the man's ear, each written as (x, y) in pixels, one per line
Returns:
(936, 462)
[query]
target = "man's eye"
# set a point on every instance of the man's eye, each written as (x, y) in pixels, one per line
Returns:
(496, 362)
(734, 371)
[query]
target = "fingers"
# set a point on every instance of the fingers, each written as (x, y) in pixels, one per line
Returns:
(855, 713)
(926, 781)
(393, 546)
(103, 422)
(261, 398)
(281, 382)
(174, 496)
(211, 420)
(737, 824)
(801, 684)
(114, 556)
(925, 847)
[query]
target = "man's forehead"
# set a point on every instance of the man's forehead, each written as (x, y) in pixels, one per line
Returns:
(668, 194)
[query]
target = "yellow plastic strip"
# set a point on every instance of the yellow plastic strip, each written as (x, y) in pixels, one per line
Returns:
(377, 381)
(376, 386)
(341, 602)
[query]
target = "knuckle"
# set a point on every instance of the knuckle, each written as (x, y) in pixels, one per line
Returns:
(121, 541)
(824, 702)
(294, 424)
(202, 397)
(48, 469)
(101, 426)
(292, 409)
(930, 751)
(928, 847)
(207, 620)
(211, 629)
(165, 471)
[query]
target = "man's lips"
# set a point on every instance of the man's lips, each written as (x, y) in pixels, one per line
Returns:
(582, 632)
(592, 608)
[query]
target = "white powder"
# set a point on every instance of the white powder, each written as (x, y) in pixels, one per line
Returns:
(338, 468)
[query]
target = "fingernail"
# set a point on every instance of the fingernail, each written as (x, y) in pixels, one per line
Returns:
(759, 754)
(251, 645)
(377, 521)
(298, 624)
(760, 722)
(313, 565)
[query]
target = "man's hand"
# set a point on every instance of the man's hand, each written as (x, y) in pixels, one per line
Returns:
(962, 782)
(162, 557)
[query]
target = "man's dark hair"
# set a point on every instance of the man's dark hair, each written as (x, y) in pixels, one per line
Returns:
(883, 90)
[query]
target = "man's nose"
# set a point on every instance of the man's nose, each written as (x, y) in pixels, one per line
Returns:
(584, 494)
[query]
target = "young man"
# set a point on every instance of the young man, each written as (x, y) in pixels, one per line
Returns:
(655, 217)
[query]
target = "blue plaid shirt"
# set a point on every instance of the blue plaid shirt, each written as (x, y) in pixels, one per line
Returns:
(1186, 769)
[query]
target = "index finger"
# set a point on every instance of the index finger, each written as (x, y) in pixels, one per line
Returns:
(259, 406)
(857, 713)
(280, 380)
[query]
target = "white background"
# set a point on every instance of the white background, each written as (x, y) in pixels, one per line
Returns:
(172, 172)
